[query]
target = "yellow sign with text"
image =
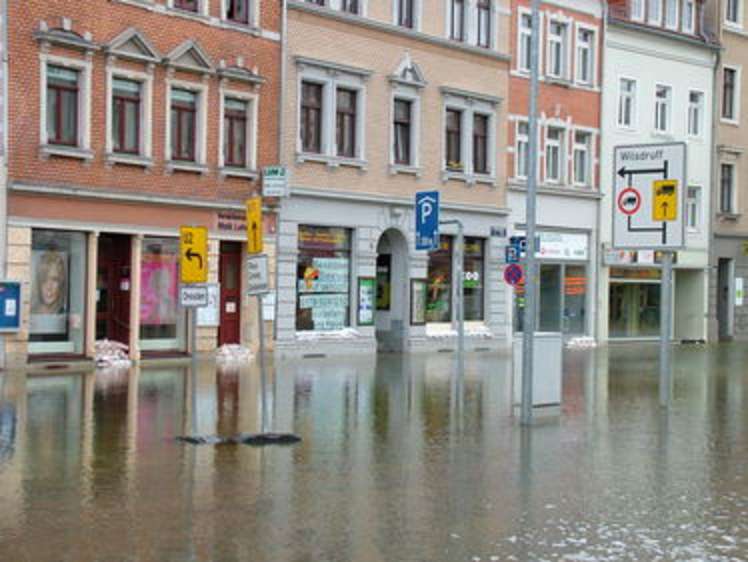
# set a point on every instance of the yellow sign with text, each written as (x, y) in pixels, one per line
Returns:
(254, 225)
(193, 254)
(665, 200)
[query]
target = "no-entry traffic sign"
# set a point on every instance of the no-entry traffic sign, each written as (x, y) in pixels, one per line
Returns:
(629, 201)
(513, 274)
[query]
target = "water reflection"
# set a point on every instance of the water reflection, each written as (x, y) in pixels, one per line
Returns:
(401, 459)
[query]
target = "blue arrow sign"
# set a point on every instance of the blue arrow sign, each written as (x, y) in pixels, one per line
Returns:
(427, 220)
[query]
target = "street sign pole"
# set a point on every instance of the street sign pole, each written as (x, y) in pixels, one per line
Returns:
(528, 335)
(666, 318)
(263, 375)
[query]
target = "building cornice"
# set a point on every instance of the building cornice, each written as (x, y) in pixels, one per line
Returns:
(572, 192)
(663, 33)
(368, 23)
(333, 66)
(449, 91)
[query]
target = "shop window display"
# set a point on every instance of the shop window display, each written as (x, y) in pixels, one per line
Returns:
(473, 279)
(439, 291)
(58, 266)
(323, 278)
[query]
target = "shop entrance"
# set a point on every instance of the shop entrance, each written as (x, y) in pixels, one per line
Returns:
(724, 293)
(113, 288)
(229, 331)
(391, 316)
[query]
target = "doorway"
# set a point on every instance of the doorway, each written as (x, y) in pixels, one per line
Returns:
(392, 311)
(229, 330)
(724, 297)
(113, 288)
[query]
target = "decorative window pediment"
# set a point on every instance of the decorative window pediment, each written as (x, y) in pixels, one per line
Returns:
(408, 73)
(65, 37)
(239, 73)
(132, 44)
(190, 57)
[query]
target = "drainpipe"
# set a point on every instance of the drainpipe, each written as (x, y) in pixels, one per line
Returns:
(281, 152)
(713, 200)
(4, 167)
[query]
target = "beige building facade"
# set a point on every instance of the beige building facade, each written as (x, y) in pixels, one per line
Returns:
(380, 105)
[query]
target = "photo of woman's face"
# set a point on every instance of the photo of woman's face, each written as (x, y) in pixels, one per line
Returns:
(51, 285)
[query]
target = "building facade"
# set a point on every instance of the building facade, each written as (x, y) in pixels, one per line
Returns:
(658, 88)
(567, 205)
(127, 120)
(384, 99)
(729, 314)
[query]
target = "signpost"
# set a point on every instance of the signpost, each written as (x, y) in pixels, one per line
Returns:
(649, 214)
(274, 181)
(193, 254)
(193, 296)
(254, 225)
(427, 220)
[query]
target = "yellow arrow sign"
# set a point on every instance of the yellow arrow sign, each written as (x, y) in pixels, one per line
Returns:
(254, 225)
(665, 200)
(193, 254)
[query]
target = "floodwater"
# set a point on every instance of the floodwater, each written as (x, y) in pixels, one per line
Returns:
(400, 460)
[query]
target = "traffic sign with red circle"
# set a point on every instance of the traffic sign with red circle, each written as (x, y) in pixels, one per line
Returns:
(513, 274)
(629, 201)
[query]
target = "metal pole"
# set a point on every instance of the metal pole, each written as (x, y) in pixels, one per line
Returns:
(666, 314)
(193, 367)
(263, 379)
(530, 265)
(460, 298)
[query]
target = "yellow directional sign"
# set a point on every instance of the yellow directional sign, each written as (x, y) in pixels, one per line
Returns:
(665, 200)
(193, 254)
(254, 225)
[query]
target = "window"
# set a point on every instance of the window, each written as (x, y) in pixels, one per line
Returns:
(626, 102)
(484, 23)
(695, 112)
(732, 11)
(525, 39)
(557, 50)
(582, 144)
(183, 124)
(126, 116)
(729, 94)
(346, 122)
(439, 292)
(62, 105)
(237, 11)
(403, 130)
(405, 13)
(662, 108)
(311, 117)
(349, 6)
(689, 16)
(693, 208)
(671, 13)
(522, 150)
(553, 154)
(655, 11)
(585, 60)
(454, 138)
(457, 20)
(480, 144)
(637, 9)
(187, 5)
(322, 278)
(727, 189)
(235, 133)
(472, 284)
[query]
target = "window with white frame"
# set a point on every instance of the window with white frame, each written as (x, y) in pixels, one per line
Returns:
(727, 188)
(454, 160)
(695, 113)
(654, 9)
(585, 64)
(522, 150)
(626, 102)
(671, 14)
(190, 6)
(637, 9)
(693, 208)
(689, 16)
(350, 6)
(129, 110)
(238, 132)
(238, 11)
(403, 130)
(557, 49)
(346, 117)
(407, 83)
(187, 130)
(457, 19)
(405, 13)
(663, 96)
(483, 8)
(582, 158)
(480, 143)
(525, 40)
(469, 136)
(554, 154)
(730, 93)
(733, 12)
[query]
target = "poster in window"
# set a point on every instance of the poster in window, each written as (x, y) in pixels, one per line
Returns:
(366, 297)
(418, 290)
(49, 299)
(325, 275)
(158, 278)
(384, 273)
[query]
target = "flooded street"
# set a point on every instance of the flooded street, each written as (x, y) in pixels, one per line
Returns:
(400, 460)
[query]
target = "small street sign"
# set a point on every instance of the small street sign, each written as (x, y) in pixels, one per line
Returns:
(257, 275)
(193, 296)
(513, 274)
(10, 306)
(427, 220)
(274, 181)
(254, 225)
(511, 254)
(648, 213)
(193, 254)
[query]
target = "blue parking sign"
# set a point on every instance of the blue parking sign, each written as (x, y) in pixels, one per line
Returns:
(10, 306)
(427, 220)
